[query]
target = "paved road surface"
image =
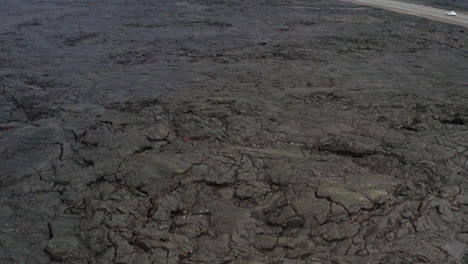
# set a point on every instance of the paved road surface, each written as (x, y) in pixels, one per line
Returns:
(417, 10)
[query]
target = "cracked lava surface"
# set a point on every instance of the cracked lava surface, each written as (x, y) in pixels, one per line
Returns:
(230, 132)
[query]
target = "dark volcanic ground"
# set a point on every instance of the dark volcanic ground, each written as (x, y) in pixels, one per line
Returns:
(230, 132)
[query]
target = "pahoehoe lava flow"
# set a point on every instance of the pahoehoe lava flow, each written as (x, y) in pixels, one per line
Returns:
(241, 132)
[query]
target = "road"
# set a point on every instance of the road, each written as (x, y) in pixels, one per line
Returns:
(417, 10)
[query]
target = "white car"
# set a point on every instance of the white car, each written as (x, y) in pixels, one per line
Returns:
(451, 13)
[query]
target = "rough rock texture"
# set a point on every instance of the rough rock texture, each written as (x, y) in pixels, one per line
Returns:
(230, 132)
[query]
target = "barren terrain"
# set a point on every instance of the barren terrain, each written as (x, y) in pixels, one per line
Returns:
(206, 131)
